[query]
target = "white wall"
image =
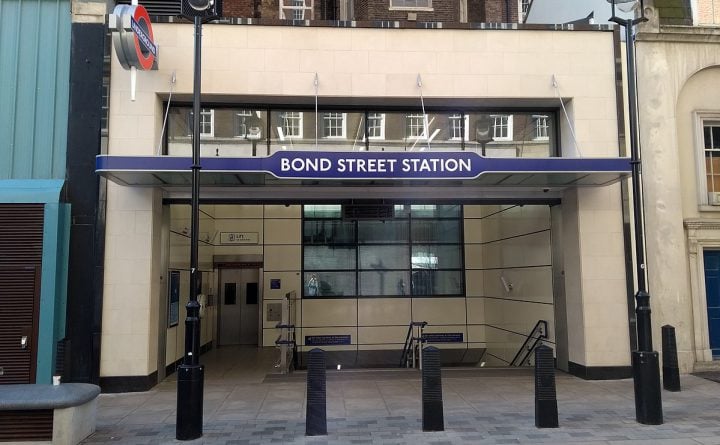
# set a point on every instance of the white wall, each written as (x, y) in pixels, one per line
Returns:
(510, 243)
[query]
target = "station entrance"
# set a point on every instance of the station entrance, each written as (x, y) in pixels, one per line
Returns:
(485, 277)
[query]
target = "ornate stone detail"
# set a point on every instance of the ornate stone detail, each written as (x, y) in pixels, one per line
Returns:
(702, 224)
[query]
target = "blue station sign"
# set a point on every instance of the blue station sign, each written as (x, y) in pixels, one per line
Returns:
(368, 165)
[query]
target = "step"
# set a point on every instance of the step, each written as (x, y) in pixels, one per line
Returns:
(707, 366)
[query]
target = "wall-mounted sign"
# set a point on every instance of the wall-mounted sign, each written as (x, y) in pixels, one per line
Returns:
(174, 298)
(233, 238)
(325, 340)
(382, 165)
(275, 283)
(133, 37)
(444, 337)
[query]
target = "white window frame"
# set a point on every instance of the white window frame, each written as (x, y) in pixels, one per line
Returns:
(298, 117)
(701, 118)
(204, 113)
(296, 9)
(456, 117)
(381, 126)
(330, 118)
(239, 121)
(541, 127)
(410, 124)
(524, 8)
(508, 125)
(394, 6)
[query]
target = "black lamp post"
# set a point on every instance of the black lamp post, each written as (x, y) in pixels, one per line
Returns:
(645, 364)
(190, 375)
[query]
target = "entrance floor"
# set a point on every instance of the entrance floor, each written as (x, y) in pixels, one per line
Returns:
(481, 406)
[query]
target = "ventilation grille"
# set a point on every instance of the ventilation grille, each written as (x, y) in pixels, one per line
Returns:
(368, 211)
(21, 242)
(21, 234)
(26, 425)
(18, 296)
(158, 7)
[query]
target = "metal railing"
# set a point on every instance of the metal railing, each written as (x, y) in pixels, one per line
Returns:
(286, 340)
(412, 350)
(532, 341)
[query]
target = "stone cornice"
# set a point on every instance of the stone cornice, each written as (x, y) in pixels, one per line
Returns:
(702, 224)
(682, 34)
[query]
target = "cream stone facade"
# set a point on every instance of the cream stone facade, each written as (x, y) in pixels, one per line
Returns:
(524, 259)
(678, 74)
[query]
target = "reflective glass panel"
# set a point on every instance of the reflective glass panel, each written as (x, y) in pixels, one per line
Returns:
(435, 211)
(329, 232)
(436, 257)
(436, 231)
(384, 257)
(329, 284)
(515, 135)
(224, 132)
(322, 211)
(333, 130)
(390, 232)
(329, 258)
(437, 282)
(415, 131)
(384, 283)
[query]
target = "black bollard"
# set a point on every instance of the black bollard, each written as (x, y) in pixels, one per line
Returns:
(316, 412)
(671, 370)
(546, 410)
(432, 410)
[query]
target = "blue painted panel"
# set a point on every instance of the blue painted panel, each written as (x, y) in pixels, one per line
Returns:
(369, 165)
(712, 292)
(30, 190)
(444, 337)
(35, 61)
(324, 340)
(53, 285)
(9, 35)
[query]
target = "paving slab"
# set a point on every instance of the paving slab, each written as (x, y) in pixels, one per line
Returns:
(384, 407)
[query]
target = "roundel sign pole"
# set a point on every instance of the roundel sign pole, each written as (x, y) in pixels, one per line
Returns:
(133, 40)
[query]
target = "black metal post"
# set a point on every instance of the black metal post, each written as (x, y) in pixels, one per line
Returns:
(645, 361)
(432, 401)
(316, 405)
(546, 408)
(190, 372)
(671, 370)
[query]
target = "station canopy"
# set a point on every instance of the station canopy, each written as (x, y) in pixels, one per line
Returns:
(305, 169)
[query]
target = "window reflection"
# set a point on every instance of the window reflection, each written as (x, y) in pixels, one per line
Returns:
(224, 132)
(245, 131)
(329, 284)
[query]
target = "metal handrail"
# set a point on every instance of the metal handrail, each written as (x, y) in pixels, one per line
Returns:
(540, 327)
(410, 341)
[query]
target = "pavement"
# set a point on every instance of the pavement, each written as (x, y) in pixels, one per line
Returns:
(481, 406)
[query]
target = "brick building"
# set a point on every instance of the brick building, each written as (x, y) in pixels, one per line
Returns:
(447, 11)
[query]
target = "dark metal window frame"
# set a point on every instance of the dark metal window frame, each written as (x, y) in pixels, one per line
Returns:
(409, 244)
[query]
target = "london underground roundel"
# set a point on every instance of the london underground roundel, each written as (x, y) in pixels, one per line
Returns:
(133, 37)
